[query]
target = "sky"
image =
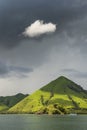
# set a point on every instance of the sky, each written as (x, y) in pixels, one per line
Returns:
(41, 40)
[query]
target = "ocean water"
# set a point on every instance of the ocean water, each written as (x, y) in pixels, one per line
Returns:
(43, 122)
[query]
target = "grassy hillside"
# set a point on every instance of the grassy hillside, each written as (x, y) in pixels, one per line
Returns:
(3, 107)
(61, 96)
(12, 100)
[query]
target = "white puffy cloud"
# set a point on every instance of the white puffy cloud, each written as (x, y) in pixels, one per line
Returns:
(38, 28)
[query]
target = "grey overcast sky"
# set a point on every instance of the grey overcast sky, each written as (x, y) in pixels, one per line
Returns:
(41, 40)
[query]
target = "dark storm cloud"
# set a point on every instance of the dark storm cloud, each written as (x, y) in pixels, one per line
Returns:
(6, 70)
(70, 17)
(75, 73)
(20, 69)
(47, 55)
(15, 17)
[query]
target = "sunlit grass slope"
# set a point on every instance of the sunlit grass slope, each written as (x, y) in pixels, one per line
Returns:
(61, 96)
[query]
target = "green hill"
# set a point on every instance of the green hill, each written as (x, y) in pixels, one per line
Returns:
(61, 96)
(12, 100)
(3, 107)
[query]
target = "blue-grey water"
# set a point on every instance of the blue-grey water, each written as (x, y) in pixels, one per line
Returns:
(43, 122)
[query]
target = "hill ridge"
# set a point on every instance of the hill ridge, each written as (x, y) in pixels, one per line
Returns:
(10, 101)
(60, 96)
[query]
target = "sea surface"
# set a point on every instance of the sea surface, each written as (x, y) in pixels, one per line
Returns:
(43, 122)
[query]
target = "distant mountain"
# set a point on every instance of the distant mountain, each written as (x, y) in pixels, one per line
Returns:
(10, 101)
(60, 96)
